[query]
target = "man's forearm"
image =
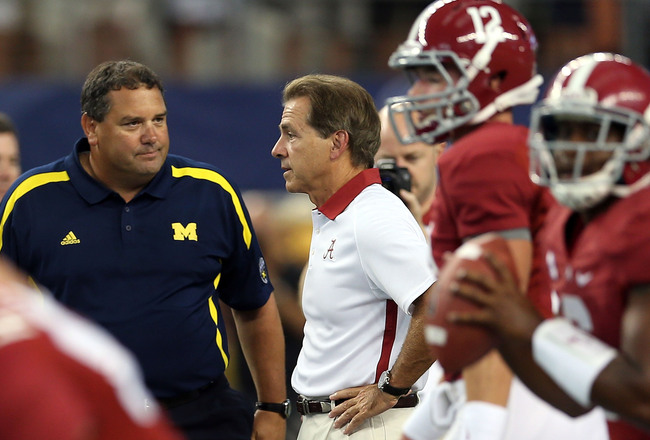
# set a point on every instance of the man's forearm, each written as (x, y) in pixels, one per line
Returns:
(262, 342)
(414, 359)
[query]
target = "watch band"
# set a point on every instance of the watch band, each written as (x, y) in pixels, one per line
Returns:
(284, 408)
(386, 387)
(393, 391)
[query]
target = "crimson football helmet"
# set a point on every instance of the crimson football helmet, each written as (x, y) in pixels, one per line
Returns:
(481, 39)
(610, 96)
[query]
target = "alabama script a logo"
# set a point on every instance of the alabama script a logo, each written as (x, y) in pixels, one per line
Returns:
(329, 253)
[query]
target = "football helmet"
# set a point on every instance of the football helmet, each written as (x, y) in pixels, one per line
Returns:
(610, 96)
(481, 39)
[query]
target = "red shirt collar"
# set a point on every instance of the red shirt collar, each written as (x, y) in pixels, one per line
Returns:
(428, 216)
(344, 196)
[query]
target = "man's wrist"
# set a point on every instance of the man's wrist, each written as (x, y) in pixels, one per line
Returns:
(385, 385)
(572, 357)
(282, 408)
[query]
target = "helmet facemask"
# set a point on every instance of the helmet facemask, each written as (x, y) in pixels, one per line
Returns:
(483, 40)
(567, 166)
(430, 117)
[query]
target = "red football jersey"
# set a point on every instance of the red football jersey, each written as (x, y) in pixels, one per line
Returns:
(593, 267)
(62, 378)
(484, 186)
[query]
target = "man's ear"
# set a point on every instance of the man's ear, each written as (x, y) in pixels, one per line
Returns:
(89, 126)
(340, 143)
(438, 149)
(496, 80)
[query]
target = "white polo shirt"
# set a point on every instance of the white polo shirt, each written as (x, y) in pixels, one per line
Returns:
(369, 261)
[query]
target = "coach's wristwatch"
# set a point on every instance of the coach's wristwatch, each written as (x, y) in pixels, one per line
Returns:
(284, 408)
(386, 387)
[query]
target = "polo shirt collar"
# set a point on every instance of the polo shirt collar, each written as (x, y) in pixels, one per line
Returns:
(94, 192)
(348, 192)
(428, 216)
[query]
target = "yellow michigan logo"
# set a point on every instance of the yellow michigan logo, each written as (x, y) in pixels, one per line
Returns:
(185, 232)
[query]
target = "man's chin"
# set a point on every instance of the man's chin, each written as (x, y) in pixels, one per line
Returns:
(292, 187)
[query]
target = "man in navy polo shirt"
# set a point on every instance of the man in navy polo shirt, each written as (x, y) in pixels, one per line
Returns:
(146, 244)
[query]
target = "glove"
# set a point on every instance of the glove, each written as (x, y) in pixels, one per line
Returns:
(446, 399)
(478, 421)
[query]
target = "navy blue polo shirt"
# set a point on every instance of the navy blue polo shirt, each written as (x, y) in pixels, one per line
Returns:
(152, 270)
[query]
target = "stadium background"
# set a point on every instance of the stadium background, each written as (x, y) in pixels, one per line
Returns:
(224, 62)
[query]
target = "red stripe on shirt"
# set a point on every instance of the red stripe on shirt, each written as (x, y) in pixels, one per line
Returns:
(390, 329)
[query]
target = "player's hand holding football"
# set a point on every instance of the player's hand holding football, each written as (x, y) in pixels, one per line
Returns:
(363, 402)
(505, 309)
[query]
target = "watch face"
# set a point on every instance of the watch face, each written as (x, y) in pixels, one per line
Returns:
(287, 408)
(284, 408)
(383, 379)
(385, 386)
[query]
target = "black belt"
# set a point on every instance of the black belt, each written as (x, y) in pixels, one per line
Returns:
(320, 406)
(181, 399)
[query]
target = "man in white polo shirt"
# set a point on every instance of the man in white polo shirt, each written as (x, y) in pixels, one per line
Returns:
(363, 356)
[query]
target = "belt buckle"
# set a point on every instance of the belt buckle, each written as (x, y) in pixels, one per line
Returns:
(326, 407)
(302, 405)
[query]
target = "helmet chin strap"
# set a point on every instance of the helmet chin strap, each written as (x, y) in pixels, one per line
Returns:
(589, 190)
(524, 94)
(625, 190)
(593, 189)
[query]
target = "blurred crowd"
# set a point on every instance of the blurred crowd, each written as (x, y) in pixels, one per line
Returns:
(253, 41)
(263, 40)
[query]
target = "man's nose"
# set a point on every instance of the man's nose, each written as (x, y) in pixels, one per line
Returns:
(149, 133)
(278, 150)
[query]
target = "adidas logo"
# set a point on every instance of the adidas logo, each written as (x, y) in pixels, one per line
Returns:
(70, 239)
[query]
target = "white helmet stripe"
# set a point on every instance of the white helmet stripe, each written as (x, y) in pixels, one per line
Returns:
(484, 55)
(423, 18)
(579, 78)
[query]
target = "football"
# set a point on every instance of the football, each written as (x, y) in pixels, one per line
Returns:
(457, 346)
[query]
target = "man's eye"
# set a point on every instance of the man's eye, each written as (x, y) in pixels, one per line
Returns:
(592, 134)
(433, 78)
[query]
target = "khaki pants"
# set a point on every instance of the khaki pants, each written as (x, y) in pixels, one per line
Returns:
(385, 426)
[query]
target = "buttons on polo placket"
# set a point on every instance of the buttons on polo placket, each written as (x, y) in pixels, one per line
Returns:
(127, 219)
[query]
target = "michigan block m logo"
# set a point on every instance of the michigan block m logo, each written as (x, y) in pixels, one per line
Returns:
(185, 232)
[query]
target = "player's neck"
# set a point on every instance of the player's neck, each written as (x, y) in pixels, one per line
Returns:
(504, 117)
(591, 213)
(426, 204)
